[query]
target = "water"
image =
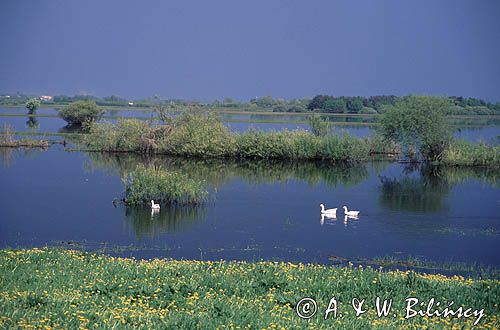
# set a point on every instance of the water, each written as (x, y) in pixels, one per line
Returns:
(257, 210)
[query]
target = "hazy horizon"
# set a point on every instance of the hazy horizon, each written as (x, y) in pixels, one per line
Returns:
(206, 51)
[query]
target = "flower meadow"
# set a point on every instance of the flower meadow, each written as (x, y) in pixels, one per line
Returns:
(68, 289)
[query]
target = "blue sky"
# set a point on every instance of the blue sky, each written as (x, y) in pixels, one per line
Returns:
(207, 50)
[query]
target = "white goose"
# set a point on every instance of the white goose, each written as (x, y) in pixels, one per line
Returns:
(328, 212)
(154, 206)
(350, 213)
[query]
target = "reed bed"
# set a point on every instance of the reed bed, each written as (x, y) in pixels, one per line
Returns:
(462, 153)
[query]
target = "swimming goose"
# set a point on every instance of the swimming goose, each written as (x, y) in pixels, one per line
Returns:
(154, 206)
(350, 213)
(328, 212)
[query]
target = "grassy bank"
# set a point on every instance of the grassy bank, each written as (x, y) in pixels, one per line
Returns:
(69, 289)
(192, 135)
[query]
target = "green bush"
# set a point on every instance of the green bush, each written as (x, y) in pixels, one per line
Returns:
(196, 135)
(80, 112)
(319, 125)
(154, 183)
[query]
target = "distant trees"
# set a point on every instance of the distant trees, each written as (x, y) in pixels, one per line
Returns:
(32, 105)
(81, 112)
(342, 104)
(381, 103)
(264, 102)
(32, 122)
(318, 102)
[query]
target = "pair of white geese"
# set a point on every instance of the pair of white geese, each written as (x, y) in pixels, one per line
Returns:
(327, 212)
(333, 212)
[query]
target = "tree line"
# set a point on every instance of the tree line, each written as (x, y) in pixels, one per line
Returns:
(377, 104)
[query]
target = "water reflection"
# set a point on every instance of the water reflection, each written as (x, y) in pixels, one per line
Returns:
(8, 155)
(146, 222)
(327, 219)
(419, 189)
(425, 188)
(32, 122)
(218, 172)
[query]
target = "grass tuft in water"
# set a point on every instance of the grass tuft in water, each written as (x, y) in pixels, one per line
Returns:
(154, 183)
(7, 139)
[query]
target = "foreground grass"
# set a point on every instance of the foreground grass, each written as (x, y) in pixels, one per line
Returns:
(69, 289)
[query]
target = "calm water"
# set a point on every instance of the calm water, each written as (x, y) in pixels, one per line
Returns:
(257, 210)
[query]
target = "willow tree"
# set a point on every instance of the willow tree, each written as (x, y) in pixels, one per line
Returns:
(418, 123)
(32, 105)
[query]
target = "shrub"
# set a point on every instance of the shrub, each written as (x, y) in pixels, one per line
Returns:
(418, 123)
(154, 183)
(319, 126)
(32, 105)
(80, 112)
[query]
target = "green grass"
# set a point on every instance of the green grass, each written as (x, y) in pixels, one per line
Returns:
(69, 289)
(194, 135)
(462, 153)
(154, 183)
(199, 136)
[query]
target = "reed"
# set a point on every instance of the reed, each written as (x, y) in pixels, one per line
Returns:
(154, 183)
(7, 139)
(462, 153)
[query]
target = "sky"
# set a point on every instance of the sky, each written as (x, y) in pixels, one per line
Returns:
(207, 50)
